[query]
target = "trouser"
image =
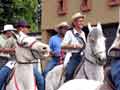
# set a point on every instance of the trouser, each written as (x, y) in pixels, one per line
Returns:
(4, 73)
(51, 64)
(72, 65)
(40, 81)
(115, 72)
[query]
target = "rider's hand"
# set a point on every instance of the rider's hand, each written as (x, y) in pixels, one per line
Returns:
(10, 64)
(76, 46)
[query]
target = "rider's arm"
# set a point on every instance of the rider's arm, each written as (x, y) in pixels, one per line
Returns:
(54, 46)
(66, 43)
(7, 50)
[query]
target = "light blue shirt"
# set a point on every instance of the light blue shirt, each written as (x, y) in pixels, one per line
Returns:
(55, 44)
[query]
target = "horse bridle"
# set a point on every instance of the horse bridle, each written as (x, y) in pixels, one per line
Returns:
(95, 54)
(31, 54)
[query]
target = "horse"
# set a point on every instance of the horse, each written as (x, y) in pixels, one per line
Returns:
(107, 84)
(28, 50)
(95, 55)
(81, 84)
(95, 51)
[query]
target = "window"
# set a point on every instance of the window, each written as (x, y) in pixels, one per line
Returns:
(85, 5)
(113, 2)
(62, 7)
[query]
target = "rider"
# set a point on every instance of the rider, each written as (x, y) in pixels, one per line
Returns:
(7, 46)
(6, 42)
(114, 52)
(54, 44)
(73, 45)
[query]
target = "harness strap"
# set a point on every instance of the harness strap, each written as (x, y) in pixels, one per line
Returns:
(79, 38)
(16, 85)
(89, 61)
(27, 62)
(32, 44)
(85, 72)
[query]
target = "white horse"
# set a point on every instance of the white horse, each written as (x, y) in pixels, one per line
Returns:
(85, 84)
(95, 51)
(28, 50)
(95, 55)
(81, 84)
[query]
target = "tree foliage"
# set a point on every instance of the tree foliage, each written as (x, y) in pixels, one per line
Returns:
(13, 10)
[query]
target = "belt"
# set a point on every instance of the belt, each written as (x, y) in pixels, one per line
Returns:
(3, 57)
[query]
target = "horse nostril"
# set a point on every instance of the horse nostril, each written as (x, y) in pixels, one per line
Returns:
(44, 48)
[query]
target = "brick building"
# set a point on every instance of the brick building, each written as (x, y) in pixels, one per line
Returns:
(104, 11)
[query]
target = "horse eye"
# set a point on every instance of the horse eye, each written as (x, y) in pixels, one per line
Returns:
(92, 40)
(24, 43)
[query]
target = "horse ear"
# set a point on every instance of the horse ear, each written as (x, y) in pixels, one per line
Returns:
(118, 30)
(89, 27)
(22, 34)
(15, 34)
(99, 26)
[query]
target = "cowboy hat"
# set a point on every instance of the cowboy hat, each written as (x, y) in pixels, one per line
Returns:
(77, 15)
(62, 24)
(8, 27)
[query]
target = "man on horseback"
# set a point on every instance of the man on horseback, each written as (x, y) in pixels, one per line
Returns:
(23, 27)
(55, 46)
(72, 43)
(7, 45)
(114, 52)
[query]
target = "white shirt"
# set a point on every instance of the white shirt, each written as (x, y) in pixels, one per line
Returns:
(70, 39)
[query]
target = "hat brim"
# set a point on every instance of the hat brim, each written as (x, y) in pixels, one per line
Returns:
(18, 26)
(73, 19)
(8, 30)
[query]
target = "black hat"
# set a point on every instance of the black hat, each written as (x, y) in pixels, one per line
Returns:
(22, 23)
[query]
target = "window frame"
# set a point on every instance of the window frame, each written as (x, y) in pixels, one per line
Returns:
(86, 8)
(113, 3)
(62, 10)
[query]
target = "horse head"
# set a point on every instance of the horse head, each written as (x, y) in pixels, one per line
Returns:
(30, 46)
(114, 50)
(96, 44)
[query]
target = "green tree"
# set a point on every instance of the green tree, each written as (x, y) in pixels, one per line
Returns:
(14, 10)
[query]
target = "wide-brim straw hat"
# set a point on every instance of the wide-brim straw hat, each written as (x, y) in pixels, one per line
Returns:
(77, 15)
(61, 24)
(8, 27)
